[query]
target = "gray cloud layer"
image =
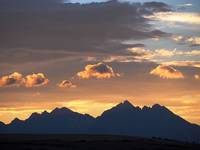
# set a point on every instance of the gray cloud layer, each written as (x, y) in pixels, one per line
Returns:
(96, 28)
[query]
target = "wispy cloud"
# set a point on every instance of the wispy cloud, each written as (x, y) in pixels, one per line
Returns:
(192, 41)
(159, 56)
(176, 17)
(185, 63)
(186, 5)
(139, 54)
(17, 79)
(66, 84)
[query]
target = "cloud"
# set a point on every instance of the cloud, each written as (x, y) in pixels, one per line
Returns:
(186, 63)
(99, 71)
(178, 38)
(192, 41)
(14, 79)
(141, 54)
(186, 5)
(196, 76)
(195, 41)
(120, 59)
(191, 53)
(156, 7)
(17, 79)
(183, 7)
(35, 80)
(167, 72)
(176, 17)
(66, 84)
(69, 29)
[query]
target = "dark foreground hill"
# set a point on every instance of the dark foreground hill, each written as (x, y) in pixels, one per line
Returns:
(89, 142)
(123, 119)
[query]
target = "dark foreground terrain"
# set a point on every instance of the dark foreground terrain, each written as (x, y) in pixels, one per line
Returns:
(86, 142)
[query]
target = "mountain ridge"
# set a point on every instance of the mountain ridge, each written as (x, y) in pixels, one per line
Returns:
(122, 119)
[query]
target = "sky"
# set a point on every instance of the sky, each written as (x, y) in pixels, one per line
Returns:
(91, 55)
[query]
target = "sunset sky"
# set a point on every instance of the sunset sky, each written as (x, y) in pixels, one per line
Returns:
(89, 55)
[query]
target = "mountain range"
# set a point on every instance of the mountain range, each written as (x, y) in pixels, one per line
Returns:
(122, 119)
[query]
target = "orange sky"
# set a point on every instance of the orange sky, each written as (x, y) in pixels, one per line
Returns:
(91, 57)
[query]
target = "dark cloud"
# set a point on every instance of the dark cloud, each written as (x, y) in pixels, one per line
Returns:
(96, 28)
(16, 5)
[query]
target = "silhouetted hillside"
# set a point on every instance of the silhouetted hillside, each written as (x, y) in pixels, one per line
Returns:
(89, 142)
(123, 119)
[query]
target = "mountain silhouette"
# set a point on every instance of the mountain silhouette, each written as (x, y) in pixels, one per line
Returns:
(123, 119)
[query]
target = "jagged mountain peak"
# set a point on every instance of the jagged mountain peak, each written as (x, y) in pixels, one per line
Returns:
(160, 108)
(122, 108)
(127, 103)
(61, 110)
(123, 118)
(16, 121)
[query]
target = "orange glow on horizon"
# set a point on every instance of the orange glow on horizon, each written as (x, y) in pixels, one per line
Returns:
(92, 108)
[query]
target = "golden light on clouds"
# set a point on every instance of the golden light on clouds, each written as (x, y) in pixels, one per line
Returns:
(140, 53)
(17, 79)
(177, 38)
(193, 41)
(99, 71)
(160, 56)
(14, 79)
(66, 84)
(185, 5)
(167, 72)
(183, 63)
(176, 17)
(35, 80)
(196, 76)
